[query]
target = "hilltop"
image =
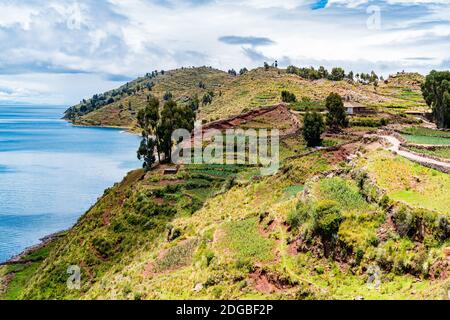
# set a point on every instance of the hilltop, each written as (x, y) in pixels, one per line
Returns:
(227, 95)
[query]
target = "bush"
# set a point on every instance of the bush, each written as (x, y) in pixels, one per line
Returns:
(406, 222)
(322, 218)
(344, 192)
(400, 257)
(209, 255)
(168, 96)
(104, 247)
(293, 219)
(288, 97)
(327, 218)
(443, 228)
(385, 202)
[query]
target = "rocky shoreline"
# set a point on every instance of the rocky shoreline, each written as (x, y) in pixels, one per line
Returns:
(19, 259)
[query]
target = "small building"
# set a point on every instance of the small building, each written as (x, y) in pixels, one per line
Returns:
(353, 108)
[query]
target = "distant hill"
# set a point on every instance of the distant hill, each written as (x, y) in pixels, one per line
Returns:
(227, 95)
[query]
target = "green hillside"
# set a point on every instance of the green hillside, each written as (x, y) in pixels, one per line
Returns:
(322, 228)
(229, 95)
(350, 220)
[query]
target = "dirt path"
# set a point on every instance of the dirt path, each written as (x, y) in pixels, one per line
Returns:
(411, 156)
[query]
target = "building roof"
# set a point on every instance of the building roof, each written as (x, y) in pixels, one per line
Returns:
(353, 104)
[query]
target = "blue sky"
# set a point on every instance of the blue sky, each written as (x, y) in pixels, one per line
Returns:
(60, 51)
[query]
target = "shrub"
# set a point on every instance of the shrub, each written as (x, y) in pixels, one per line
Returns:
(288, 97)
(406, 222)
(293, 219)
(168, 96)
(400, 257)
(443, 228)
(104, 247)
(385, 202)
(326, 218)
(209, 255)
(345, 193)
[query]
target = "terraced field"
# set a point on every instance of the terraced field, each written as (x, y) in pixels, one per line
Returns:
(437, 152)
(426, 140)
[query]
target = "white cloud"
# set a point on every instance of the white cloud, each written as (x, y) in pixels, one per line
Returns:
(16, 15)
(46, 48)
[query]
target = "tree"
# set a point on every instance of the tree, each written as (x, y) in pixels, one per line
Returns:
(207, 98)
(288, 97)
(201, 85)
(146, 152)
(337, 116)
(173, 117)
(243, 71)
(232, 72)
(337, 74)
(266, 66)
(350, 76)
(436, 92)
(373, 77)
(148, 119)
(313, 128)
(168, 96)
(194, 103)
(323, 73)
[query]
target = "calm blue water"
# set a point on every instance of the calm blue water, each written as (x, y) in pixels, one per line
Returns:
(52, 172)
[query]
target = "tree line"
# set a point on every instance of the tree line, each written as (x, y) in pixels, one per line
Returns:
(336, 74)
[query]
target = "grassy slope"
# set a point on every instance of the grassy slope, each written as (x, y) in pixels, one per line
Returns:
(182, 83)
(252, 90)
(228, 232)
(406, 181)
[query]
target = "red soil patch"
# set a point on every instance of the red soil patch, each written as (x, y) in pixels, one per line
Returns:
(439, 270)
(159, 201)
(87, 270)
(271, 225)
(276, 115)
(148, 270)
(266, 282)
(105, 218)
(292, 249)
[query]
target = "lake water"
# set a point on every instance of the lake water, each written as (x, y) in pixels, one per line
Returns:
(52, 172)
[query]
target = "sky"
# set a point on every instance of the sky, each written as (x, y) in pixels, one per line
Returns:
(61, 51)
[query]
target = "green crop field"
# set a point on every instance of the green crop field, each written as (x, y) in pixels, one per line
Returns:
(427, 140)
(438, 152)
